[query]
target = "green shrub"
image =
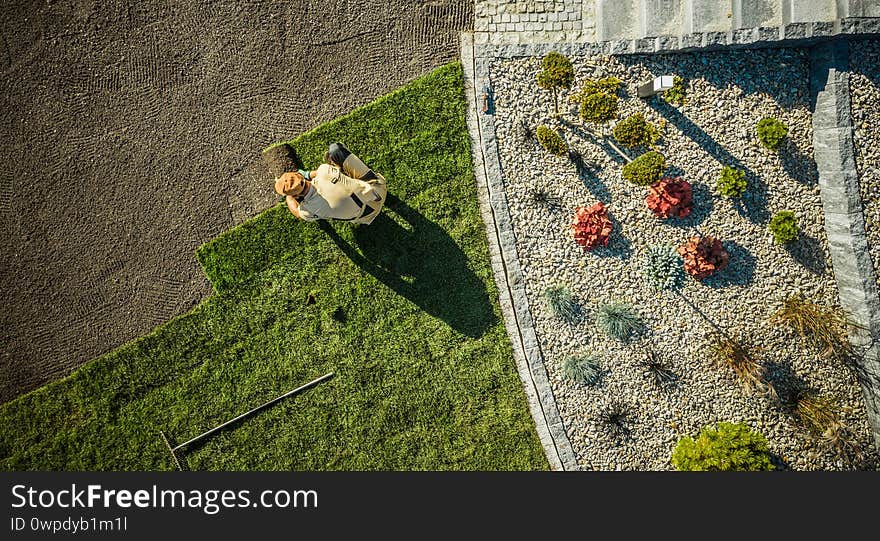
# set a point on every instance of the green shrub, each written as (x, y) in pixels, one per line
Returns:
(635, 131)
(556, 72)
(582, 369)
(609, 85)
(598, 107)
(732, 182)
(727, 447)
(551, 141)
(771, 132)
(662, 267)
(784, 227)
(676, 94)
(561, 302)
(618, 320)
(646, 169)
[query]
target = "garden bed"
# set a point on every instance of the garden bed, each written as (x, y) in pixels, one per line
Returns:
(727, 93)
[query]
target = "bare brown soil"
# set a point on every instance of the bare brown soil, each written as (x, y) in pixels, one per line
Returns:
(131, 133)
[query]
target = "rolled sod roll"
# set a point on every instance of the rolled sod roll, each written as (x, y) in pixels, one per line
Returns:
(281, 159)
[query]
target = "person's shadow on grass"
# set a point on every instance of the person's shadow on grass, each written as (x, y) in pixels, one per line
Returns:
(421, 262)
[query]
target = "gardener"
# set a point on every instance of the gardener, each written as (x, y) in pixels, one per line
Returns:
(344, 188)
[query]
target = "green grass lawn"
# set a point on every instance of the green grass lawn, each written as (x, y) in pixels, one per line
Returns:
(405, 313)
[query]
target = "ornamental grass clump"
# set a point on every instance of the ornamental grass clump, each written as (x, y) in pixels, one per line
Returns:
(634, 131)
(556, 73)
(821, 417)
(783, 226)
(824, 327)
(670, 198)
(662, 267)
(703, 256)
(561, 303)
(646, 169)
(729, 353)
(551, 141)
(582, 369)
(771, 133)
(656, 369)
(615, 419)
(724, 447)
(732, 182)
(618, 320)
(592, 226)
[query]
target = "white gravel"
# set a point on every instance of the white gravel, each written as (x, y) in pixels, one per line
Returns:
(727, 94)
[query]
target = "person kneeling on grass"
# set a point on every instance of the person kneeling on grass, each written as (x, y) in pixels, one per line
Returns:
(344, 188)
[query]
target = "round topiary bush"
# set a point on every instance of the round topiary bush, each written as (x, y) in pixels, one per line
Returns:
(582, 369)
(598, 107)
(646, 169)
(634, 131)
(556, 72)
(551, 141)
(662, 267)
(732, 182)
(771, 133)
(618, 320)
(726, 447)
(784, 227)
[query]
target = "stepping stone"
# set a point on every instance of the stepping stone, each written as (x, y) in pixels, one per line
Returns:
(804, 11)
(756, 13)
(617, 19)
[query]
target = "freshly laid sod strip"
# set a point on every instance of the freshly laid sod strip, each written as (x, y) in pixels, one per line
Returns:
(404, 311)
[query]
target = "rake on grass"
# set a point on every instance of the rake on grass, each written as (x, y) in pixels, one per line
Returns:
(173, 449)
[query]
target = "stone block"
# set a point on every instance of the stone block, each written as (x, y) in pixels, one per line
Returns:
(795, 30)
(823, 28)
(617, 19)
(833, 149)
(858, 8)
(768, 33)
(706, 16)
(691, 40)
(621, 46)
(745, 35)
(804, 11)
(756, 13)
(645, 45)
(837, 199)
(667, 43)
(660, 17)
(716, 38)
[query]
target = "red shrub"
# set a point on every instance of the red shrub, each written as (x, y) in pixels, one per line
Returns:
(591, 226)
(703, 256)
(670, 197)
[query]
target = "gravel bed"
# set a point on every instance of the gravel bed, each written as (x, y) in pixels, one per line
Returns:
(865, 91)
(727, 94)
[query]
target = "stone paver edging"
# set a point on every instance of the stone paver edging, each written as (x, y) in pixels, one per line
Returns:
(844, 220)
(505, 265)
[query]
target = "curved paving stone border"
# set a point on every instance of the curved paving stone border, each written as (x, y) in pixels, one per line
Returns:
(506, 267)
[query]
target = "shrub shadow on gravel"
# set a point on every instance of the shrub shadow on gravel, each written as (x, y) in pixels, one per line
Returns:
(797, 165)
(618, 245)
(588, 174)
(753, 204)
(807, 251)
(598, 141)
(740, 271)
(425, 265)
(704, 203)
